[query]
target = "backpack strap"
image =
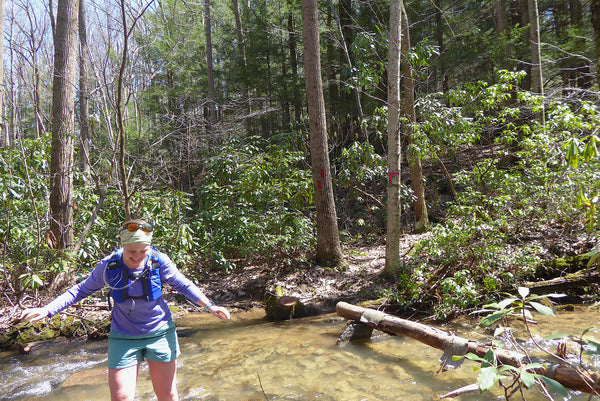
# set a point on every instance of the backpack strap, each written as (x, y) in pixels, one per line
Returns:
(150, 277)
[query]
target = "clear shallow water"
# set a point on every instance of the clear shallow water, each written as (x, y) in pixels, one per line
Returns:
(250, 359)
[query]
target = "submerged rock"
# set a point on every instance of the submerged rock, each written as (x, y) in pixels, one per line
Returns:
(87, 377)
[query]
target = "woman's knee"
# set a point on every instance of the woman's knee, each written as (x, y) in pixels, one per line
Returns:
(164, 380)
(122, 383)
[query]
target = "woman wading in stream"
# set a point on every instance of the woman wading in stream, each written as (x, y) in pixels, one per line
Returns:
(141, 324)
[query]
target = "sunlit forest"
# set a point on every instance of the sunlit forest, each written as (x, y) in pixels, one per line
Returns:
(195, 116)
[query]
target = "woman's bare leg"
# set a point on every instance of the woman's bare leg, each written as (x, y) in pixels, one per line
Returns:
(122, 383)
(164, 380)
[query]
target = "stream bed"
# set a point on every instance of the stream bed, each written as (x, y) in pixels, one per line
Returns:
(251, 359)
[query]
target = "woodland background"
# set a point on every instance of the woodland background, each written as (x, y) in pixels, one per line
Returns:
(195, 116)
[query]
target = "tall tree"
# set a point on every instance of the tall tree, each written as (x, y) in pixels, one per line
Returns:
(11, 114)
(84, 133)
(348, 112)
(242, 59)
(500, 17)
(292, 44)
(329, 251)
(331, 62)
(537, 81)
(392, 245)
(212, 103)
(439, 35)
(502, 30)
(63, 124)
(414, 158)
(119, 102)
(560, 13)
(2, 124)
(28, 36)
(581, 67)
(119, 111)
(595, 20)
(346, 55)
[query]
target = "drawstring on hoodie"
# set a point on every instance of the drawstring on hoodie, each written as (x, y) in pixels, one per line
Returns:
(132, 306)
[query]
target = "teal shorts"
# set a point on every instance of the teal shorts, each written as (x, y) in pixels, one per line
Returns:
(160, 346)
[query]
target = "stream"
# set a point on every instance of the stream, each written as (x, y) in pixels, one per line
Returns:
(251, 359)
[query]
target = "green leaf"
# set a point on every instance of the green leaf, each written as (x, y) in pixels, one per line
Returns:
(487, 378)
(505, 302)
(523, 292)
(573, 152)
(36, 281)
(489, 359)
(587, 331)
(590, 151)
(471, 356)
(543, 309)
(556, 336)
(595, 347)
(533, 366)
(594, 254)
(554, 385)
(15, 194)
(527, 378)
(494, 317)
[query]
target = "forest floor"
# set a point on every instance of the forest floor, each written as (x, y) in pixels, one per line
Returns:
(245, 288)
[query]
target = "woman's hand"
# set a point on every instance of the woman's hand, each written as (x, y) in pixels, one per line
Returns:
(219, 312)
(34, 314)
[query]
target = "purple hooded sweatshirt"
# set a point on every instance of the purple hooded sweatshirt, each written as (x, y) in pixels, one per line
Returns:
(132, 317)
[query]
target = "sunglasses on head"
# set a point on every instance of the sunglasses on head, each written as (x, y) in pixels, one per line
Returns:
(133, 227)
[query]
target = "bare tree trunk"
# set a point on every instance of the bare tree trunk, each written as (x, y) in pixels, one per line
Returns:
(63, 125)
(52, 19)
(37, 98)
(595, 19)
(392, 251)
(84, 132)
(34, 42)
(212, 104)
(521, 8)
(439, 35)
(500, 17)
(127, 32)
(284, 95)
(120, 118)
(502, 31)
(292, 44)
(537, 84)
(346, 54)
(329, 251)
(3, 129)
(414, 158)
(10, 84)
(332, 80)
(243, 61)
(582, 76)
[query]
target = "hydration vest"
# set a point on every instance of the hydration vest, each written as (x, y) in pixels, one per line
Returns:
(119, 278)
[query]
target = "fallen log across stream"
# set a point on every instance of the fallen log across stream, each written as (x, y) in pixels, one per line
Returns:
(578, 279)
(588, 382)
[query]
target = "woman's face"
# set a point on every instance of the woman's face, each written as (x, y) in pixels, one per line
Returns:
(134, 255)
